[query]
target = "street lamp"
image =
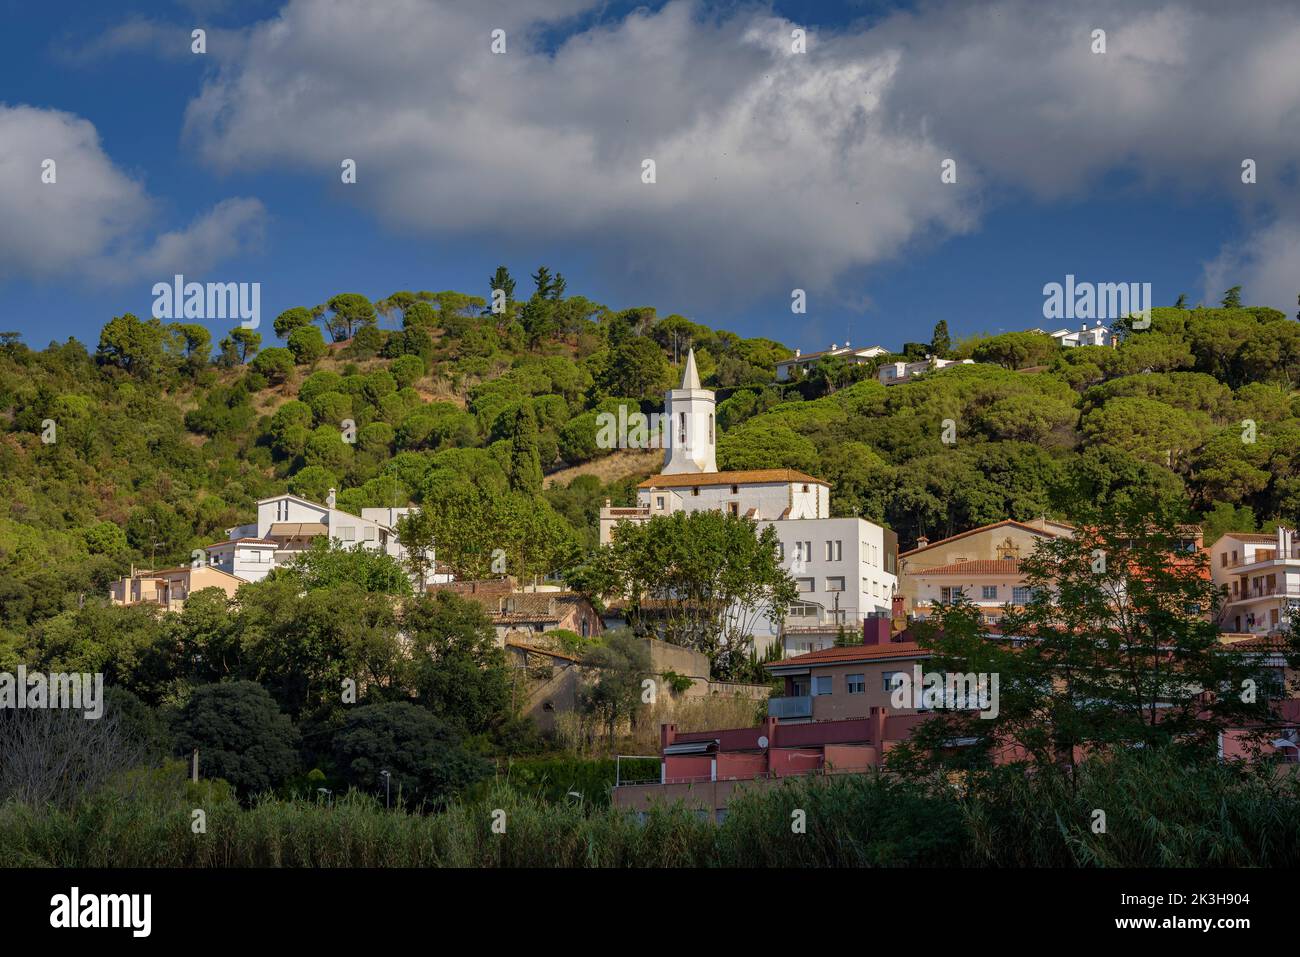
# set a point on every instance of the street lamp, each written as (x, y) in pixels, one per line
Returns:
(388, 780)
(326, 792)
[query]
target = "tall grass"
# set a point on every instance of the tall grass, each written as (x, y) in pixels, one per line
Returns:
(1158, 813)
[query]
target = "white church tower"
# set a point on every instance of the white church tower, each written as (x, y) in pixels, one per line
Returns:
(692, 444)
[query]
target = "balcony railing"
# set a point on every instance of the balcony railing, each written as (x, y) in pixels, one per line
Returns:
(796, 706)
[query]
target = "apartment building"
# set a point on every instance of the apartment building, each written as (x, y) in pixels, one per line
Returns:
(1260, 579)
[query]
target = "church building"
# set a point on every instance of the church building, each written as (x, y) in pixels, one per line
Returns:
(845, 568)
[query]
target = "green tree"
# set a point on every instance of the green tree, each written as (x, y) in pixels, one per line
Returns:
(1232, 298)
(940, 341)
(525, 463)
(458, 671)
(346, 314)
(399, 749)
(701, 579)
(291, 319)
(307, 345)
(621, 662)
(241, 736)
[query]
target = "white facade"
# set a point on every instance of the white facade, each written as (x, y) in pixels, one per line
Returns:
(248, 558)
(1097, 335)
(845, 569)
(852, 356)
(692, 445)
(896, 372)
(1260, 577)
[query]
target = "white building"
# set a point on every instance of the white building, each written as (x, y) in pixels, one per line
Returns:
(894, 373)
(1260, 577)
(287, 525)
(845, 568)
(1097, 335)
(804, 362)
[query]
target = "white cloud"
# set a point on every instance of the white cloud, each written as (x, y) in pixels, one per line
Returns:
(775, 170)
(93, 221)
(1266, 265)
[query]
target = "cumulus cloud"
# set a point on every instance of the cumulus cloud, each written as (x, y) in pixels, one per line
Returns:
(774, 169)
(93, 220)
(1266, 266)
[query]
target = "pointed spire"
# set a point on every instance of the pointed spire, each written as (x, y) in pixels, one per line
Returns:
(690, 375)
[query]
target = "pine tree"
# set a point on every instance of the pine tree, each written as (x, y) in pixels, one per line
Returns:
(1232, 298)
(940, 341)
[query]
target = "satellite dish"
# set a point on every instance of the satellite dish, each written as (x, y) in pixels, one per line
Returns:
(762, 740)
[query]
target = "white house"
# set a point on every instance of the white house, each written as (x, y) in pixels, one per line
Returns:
(803, 362)
(845, 568)
(894, 373)
(1097, 335)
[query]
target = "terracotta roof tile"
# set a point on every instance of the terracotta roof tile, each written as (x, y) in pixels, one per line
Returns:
(983, 566)
(830, 656)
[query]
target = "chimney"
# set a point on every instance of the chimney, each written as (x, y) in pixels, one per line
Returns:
(922, 541)
(875, 631)
(1083, 327)
(667, 734)
(897, 606)
(329, 499)
(798, 353)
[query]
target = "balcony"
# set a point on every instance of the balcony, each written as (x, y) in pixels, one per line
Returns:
(799, 706)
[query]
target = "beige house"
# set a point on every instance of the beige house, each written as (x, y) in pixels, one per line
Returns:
(983, 564)
(169, 587)
(1260, 579)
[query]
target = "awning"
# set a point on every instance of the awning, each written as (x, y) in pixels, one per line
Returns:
(692, 747)
(297, 529)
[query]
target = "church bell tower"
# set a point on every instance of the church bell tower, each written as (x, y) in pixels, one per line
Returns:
(691, 431)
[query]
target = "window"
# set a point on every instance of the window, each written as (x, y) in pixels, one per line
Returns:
(834, 551)
(948, 595)
(805, 488)
(835, 584)
(735, 490)
(1021, 594)
(659, 502)
(802, 609)
(369, 533)
(695, 490)
(805, 584)
(710, 428)
(856, 684)
(780, 551)
(822, 685)
(682, 432)
(890, 679)
(989, 592)
(1223, 560)
(348, 533)
(733, 508)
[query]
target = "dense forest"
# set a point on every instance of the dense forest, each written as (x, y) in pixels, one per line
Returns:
(155, 442)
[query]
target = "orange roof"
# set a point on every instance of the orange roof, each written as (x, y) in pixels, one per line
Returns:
(983, 566)
(838, 656)
(1251, 537)
(984, 528)
(744, 477)
(242, 541)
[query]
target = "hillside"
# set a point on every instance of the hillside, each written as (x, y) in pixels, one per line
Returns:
(158, 448)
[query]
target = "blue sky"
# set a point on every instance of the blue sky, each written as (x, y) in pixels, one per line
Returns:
(819, 171)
